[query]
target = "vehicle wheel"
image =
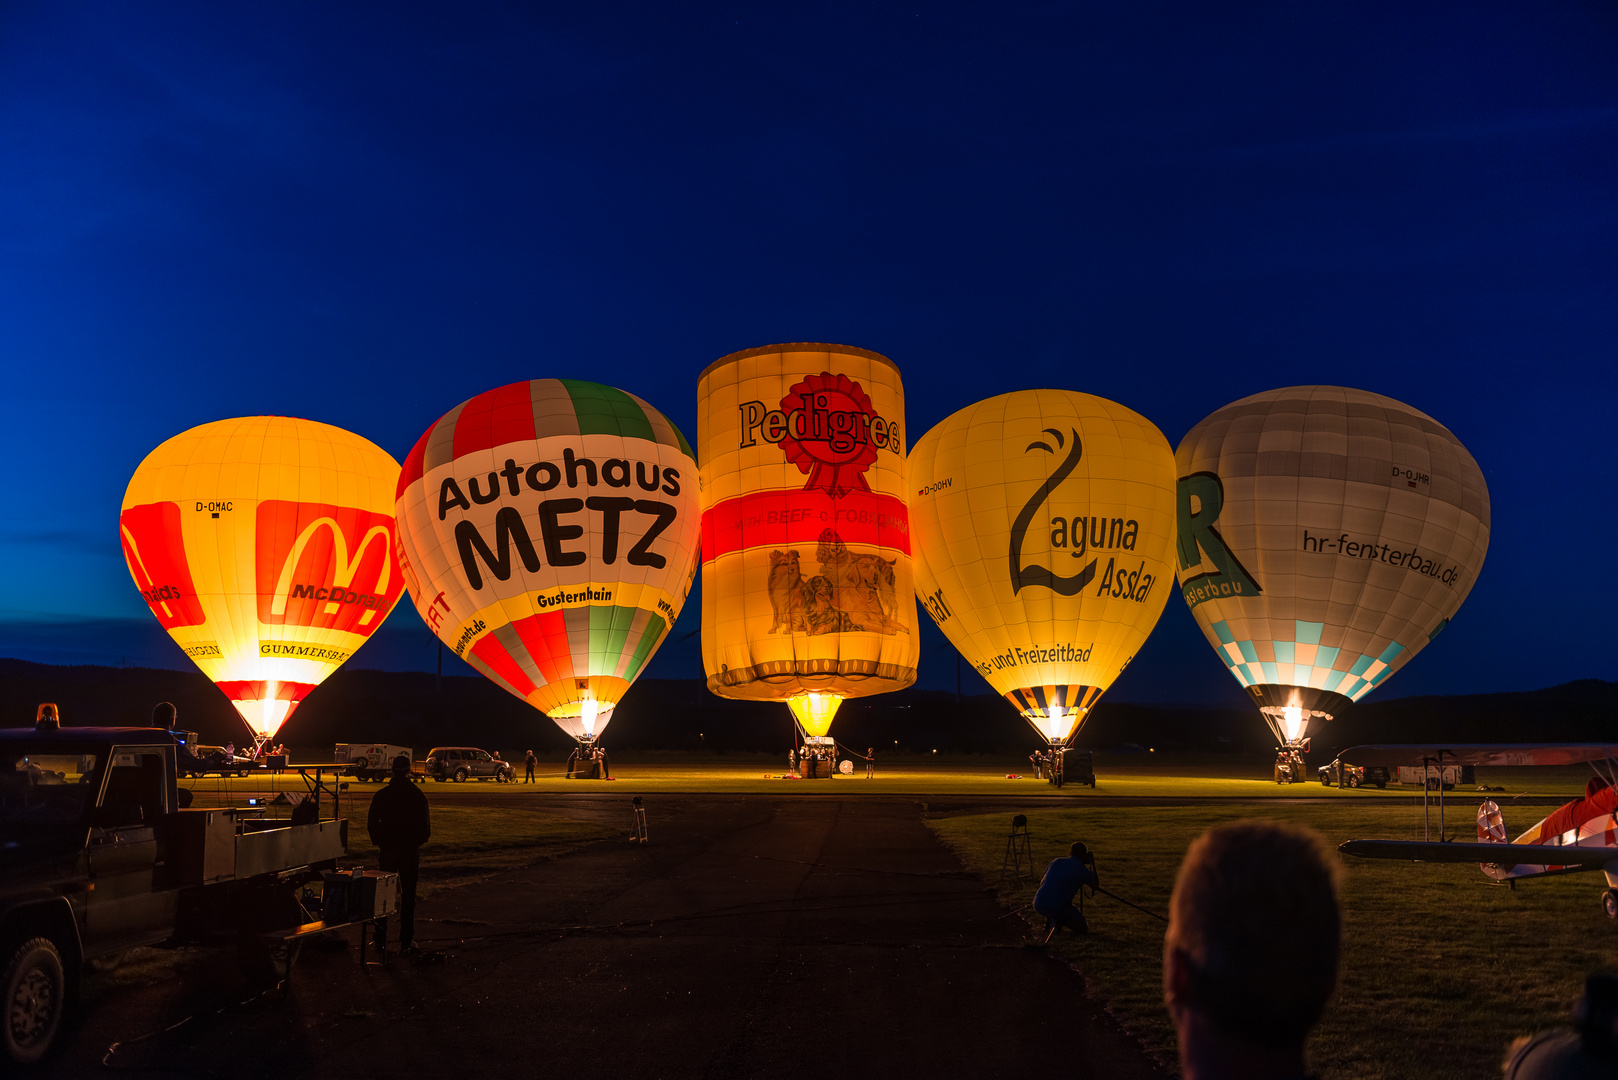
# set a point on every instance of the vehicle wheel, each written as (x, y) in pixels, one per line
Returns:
(1382, 785)
(501, 777)
(1353, 781)
(35, 998)
(460, 775)
(1609, 903)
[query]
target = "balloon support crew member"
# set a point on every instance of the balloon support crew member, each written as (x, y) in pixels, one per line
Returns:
(399, 824)
(869, 757)
(530, 761)
(1064, 881)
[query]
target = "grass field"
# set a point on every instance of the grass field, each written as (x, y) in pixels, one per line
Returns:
(1131, 776)
(1440, 968)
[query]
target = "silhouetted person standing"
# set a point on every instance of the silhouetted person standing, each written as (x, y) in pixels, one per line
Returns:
(1251, 899)
(399, 824)
(530, 761)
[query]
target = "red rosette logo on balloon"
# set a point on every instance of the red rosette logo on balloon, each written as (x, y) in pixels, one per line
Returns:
(829, 433)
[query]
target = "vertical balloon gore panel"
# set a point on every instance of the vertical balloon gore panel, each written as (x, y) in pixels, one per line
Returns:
(265, 546)
(1325, 536)
(806, 577)
(550, 531)
(1044, 531)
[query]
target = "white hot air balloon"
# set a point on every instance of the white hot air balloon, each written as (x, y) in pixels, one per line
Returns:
(1326, 535)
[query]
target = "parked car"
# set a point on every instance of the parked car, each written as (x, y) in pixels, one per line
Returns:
(460, 763)
(1341, 774)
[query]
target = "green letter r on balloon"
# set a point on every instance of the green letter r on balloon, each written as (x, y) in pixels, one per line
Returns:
(1199, 542)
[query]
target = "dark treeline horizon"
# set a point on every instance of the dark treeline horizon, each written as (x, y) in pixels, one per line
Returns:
(419, 710)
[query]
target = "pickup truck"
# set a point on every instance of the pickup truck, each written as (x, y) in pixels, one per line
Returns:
(97, 856)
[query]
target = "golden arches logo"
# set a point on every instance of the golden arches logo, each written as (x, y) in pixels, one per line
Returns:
(345, 567)
(353, 584)
(155, 552)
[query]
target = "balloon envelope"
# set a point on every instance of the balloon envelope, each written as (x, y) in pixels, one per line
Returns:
(1326, 535)
(549, 533)
(806, 580)
(1044, 528)
(264, 545)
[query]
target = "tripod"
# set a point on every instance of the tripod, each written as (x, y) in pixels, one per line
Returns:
(1017, 850)
(639, 836)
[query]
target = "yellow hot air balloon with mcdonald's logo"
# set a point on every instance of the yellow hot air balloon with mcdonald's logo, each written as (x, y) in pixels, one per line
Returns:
(1044, 535)
(264, 545)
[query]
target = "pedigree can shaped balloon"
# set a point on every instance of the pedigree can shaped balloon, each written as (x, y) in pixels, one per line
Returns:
(1044, 528)
(1326, 535)
(264, 546)
(548, 530)
(806, 579)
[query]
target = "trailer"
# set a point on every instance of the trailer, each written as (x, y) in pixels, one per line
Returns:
(1431, 777)
(371, 761)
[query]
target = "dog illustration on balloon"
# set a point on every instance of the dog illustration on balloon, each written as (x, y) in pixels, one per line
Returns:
(851, 592)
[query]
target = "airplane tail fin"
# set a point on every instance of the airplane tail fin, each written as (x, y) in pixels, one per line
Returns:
(1491, 823)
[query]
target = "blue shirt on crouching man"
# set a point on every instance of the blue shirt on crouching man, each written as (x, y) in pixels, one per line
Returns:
(1060, 885)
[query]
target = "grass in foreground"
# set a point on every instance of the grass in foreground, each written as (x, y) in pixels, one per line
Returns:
(1440, 970)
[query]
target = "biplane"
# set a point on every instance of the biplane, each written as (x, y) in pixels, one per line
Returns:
(1577, 836)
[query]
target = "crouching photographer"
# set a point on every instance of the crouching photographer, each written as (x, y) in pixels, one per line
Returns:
(1064, 881)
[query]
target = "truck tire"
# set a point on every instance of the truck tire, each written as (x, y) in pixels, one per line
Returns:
(35, 998)
(461, 775)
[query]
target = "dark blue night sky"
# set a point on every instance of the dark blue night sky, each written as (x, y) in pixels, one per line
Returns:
(366, 213)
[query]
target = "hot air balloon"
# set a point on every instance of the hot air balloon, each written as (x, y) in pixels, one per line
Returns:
(806, 583)
(264, 545)
(1325, 536)
(1044, 529)
(548, 530)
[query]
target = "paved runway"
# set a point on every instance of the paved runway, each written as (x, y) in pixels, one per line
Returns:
(753, 937)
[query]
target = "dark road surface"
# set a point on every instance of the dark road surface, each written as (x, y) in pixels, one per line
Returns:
(754, 937)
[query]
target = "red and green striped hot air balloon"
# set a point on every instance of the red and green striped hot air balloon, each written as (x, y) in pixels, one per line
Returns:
(548, 533)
